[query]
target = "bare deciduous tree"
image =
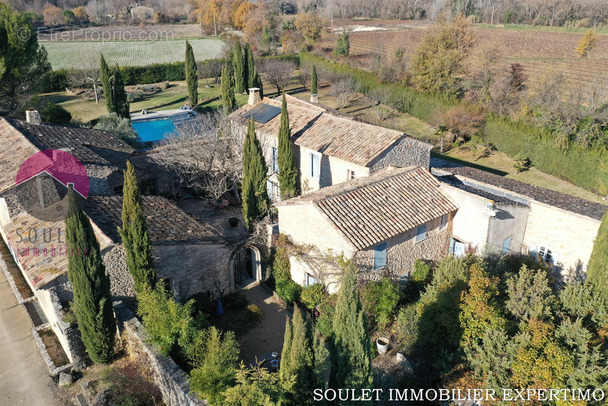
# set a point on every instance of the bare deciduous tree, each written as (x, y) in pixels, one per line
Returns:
(205, 154)
(277, 72)
(88, 74)
(344, 92)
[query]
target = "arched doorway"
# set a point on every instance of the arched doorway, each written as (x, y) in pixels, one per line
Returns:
(245, 267)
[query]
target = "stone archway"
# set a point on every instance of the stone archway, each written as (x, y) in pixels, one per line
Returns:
(245, 266)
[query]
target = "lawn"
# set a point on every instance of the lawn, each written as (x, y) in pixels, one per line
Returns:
(85, 55)
(171, 98)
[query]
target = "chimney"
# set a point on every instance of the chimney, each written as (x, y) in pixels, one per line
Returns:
(32, 116)
(314, 98)
(254, 96)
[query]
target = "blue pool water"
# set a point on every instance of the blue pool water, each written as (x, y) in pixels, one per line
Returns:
(153, 130)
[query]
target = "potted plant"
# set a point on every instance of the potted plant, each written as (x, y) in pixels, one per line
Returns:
(382, 344)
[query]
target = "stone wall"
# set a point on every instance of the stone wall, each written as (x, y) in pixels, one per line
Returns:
(193, 268)
(171, 380)
(403, 153)
(568, 235)
(402, 251)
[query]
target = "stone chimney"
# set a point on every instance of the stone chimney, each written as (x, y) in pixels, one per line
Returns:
(32, 116)
(254, 96)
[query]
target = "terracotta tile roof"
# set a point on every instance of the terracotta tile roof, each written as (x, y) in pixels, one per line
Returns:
(300, 115)
(347, 139)
(498, 199)
(370, 210)
(39, 268)
(88, 145)
(14, 150)
(166, 222)
(323, 130)
(537, 193)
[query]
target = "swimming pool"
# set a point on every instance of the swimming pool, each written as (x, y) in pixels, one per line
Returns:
(153, 130)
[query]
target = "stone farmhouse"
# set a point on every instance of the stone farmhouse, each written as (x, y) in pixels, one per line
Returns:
(493, 214)
(384, 222)
(329, 148)
(189, 256)
(502, 215)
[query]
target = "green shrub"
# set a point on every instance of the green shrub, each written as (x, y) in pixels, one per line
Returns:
(289, 291)
(55, 114)
(119, 126)
(313, 295)
(522, 163)
(420, 276)
(380, 300)
(343, 47)
(326, 316)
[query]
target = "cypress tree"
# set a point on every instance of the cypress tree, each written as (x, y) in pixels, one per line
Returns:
(313, 80)
(285, 370)
(351, 360)
(288, 173)
(238, 63)
(250, 65)
(597, 272)
(92, 302)
(257, 82)
(121, 104)
(191, 75)
(106, 84)
(301, 364)
(228, 100)
(134, 233)
(254, 193)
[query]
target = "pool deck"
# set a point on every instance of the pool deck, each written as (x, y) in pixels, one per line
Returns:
(170, 114)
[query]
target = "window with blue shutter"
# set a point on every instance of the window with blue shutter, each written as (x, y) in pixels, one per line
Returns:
(421, 233)
(506, 246)
(275, 160)
(380, 256)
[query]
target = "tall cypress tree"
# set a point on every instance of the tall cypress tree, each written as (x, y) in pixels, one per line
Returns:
(297, 360)
(134, 233)
(597, 272)
(250, 64)
(288, 173)
(313, 80)
(228, 100)
(191, 75)
(92, 302)
(238, 63)
(121, 104)
(106, 84)
(257, 82)
(285, 371)
(254, 193)
(351, 360)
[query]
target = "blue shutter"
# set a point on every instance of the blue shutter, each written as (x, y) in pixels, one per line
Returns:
(421, 233)
(380, 256)
(314, 166)
(506, 246)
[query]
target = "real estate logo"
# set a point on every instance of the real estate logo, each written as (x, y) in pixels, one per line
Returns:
(43, 180)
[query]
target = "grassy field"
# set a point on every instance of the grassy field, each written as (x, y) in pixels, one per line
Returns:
(84, 55)
(171, 98)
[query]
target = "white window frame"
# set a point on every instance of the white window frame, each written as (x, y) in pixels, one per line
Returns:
(351, 174)
(309, 279)
(541, 251)
(311, 161)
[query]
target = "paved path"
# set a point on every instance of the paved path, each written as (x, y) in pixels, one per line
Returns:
(24, 377)
(267, 336)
